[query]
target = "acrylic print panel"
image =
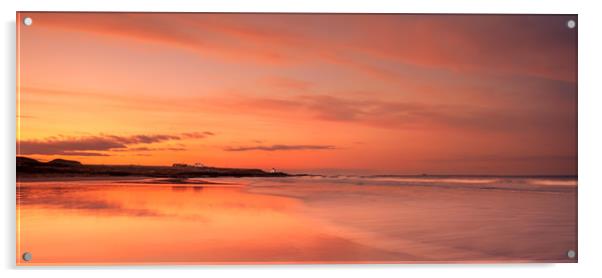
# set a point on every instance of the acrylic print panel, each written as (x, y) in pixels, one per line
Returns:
(200, 138)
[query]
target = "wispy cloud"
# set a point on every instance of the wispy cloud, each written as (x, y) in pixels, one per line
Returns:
(142, 139)
(407, 114)
(197, 135)
(147, 149)
(528, 45)
(166, 29)
(71, 145)
(79, 153)
(279, 148)
(100, 144)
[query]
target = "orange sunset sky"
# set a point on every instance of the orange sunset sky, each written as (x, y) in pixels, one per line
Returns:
(364, 94)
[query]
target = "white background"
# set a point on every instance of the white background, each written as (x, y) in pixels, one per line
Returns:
(590, 137)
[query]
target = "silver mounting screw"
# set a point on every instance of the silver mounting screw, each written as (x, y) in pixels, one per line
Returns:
(27, 21)
(571, 254)
(571, 24)
(27, 256)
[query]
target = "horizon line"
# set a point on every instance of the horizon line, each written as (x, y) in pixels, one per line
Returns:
(309, 173)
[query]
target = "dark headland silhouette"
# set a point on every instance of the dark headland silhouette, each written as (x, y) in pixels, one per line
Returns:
(28, 167)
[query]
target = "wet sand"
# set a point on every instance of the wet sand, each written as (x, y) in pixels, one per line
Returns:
(95, 222)
(290, 220)
(447, 224)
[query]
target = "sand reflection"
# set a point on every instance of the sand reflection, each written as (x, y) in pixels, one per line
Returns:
(95, 222)
(297, 220)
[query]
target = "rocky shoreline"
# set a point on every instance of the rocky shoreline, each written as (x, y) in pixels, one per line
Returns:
(28, 167)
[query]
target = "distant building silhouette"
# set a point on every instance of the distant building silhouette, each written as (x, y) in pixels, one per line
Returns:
(196, 165)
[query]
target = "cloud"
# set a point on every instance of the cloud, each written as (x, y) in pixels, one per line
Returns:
(533, 45)
(143, 139)
(527, 45)
(70, 145)
(198, 135)
(166, 29)
(99, 144)
(410, 114)
(78, 153)
(280, 148)
(147, 149)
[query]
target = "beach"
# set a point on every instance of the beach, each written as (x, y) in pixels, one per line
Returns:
(312, 219)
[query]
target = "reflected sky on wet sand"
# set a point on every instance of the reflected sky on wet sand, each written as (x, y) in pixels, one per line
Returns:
(293, 220)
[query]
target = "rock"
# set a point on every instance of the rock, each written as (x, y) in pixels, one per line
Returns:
(64, 163)
(26, 161)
